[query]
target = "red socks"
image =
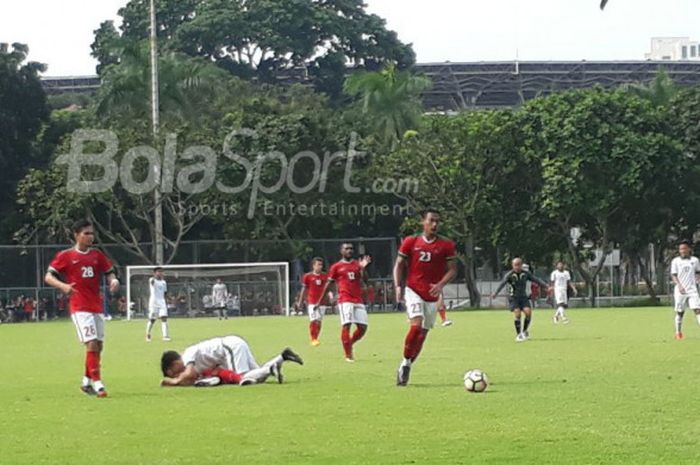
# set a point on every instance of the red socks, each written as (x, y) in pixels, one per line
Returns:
(359, 333)
(442, 312)
(314, 330)
(226, 376)
(413, 343)
(92, 365)
(347, 341)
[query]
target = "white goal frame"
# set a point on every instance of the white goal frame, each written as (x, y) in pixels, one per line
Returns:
(284, 292)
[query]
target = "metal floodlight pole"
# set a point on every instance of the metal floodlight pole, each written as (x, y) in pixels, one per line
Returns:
(155, 120)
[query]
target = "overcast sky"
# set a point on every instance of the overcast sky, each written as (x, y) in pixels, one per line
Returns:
(59, 32)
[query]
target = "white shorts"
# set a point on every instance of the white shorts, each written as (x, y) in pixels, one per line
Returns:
(90, 326)
(561, 297)
(241, 359)
(686, 301)
(157, 311)
(351, 313)
(316, 312)
(417, 307)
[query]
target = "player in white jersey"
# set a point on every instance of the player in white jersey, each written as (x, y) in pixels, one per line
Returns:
(221, 360)
(157, 305)
(560, 281)
(219, 296)
(685, 272)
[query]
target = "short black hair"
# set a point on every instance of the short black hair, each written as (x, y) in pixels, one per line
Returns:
(346, 243)
(79, 225)
(158, 268)
(428, 211)
(166, 361)
(317, 259)
(686, 242)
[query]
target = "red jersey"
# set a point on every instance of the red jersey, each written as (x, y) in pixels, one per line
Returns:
(427, 263)
(84, 270)
(348, 278)
(314, 284)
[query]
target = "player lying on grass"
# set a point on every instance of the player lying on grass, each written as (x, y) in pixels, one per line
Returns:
(348, 275)
(312, 286)
(425, 264)
(221, 360)
(517, 279)
(685, 272)
(78, 272)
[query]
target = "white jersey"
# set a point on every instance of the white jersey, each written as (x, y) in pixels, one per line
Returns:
(158, 289)
(230, 352)
(687, 269)
(219, 293)
(560, 279)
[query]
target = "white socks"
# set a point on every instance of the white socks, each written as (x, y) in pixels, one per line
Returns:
(679, 321)
(164, 328)
(406, 362)
(149, 327)
(697, 317)
(86, 381)
(98, 385)
(259, 375)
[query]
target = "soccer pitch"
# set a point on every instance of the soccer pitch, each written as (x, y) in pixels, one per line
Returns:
(612, 387)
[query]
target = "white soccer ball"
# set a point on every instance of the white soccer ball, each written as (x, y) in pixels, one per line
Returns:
(475, 381)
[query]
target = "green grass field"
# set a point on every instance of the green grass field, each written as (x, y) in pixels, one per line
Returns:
(612, 387)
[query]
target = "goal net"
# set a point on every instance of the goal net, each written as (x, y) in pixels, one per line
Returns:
(233, 289)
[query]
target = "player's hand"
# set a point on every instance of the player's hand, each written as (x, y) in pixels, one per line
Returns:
(68, 289)
(436, 289)
(365, 261)
(681, 289)
(114, 286)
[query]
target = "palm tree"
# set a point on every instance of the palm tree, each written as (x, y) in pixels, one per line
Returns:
(659, 92)
(186, 85)
(390, 98)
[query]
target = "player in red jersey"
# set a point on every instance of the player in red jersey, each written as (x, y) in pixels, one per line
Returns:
(348, 274)
(312, 286)
(424, 265)
(77, 272)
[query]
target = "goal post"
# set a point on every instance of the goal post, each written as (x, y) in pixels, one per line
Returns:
(251, 289)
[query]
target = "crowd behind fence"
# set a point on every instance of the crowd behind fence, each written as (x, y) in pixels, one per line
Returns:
(24, 296)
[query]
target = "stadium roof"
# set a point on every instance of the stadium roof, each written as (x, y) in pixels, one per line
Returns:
(458, 86)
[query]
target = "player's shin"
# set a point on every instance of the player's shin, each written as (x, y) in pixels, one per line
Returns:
(347, 341)
(528, 320)
(420, 340)
(164, 329)
(679, 321)
(149, 327)
(258, 375)
(359, 333)
(410, 344)
(518, 325)
(697, 317)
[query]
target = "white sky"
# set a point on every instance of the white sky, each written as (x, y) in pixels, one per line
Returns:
(59, 32)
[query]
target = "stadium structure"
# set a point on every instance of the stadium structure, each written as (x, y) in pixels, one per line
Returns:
(460, 86)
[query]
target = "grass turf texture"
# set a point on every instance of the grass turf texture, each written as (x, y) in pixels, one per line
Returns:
(612, 387)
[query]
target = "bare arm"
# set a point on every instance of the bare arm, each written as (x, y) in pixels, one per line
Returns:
(302, 296)
(53, 281)
(399, 277)
(678, 284)
(436, 289)
(186, 378)
(539, 281)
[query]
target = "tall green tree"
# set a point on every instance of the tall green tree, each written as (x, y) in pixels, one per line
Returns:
(23, 111)
(469, 167)
(599, 151)
(262, 39)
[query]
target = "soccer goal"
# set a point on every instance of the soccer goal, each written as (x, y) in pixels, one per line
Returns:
(233, 289)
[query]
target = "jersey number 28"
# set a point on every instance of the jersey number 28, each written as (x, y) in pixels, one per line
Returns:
(88, 272)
